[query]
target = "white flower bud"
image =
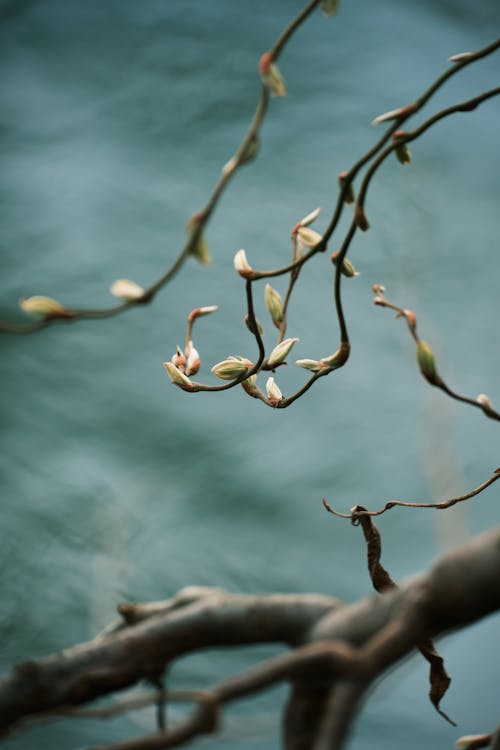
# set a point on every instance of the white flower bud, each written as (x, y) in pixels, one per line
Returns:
(242, 265)
(273, 392)
(307, 220)
(280, 352)
(126, 289)
(308, 237)
(271, 75)
(231, 368)
(177, 377)
(45, 306)
(178, 359)
(274, 304)
(309, 364)
(193, 359)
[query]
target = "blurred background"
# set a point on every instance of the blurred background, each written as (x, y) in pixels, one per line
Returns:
(115, 120)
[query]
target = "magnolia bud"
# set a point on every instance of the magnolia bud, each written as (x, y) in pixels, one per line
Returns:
(177, 377)
(402, 151)
(337, 359)
(193, 359)
(360, 218)
(252, 328)
(126, 289)
(394, 114)
(280, 352)
(309, 364)
(427, 363)
(178, 359)
(349, 196)
(274, 304)
(242, 265)
(329, 7)
(250, 386)
(200, 249)
(460, 56)
(231, 368)
(271, 76)
(250, 150)
(307, 220)
(308, 237)
(347, 269)
(273, 392)
(484, 401)
(198, 312)
(47, 307)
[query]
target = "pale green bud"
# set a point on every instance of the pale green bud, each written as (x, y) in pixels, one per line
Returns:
(231, 368)
(308, 237)
(309, 364)
(337, 359)
(250, 385)
(177, 377)
(402, 151)
(347, 269)
(273, 392)
(252, 328)
(126, 289)
(427, 363)
(274, 304)
(271, 75)
(329, 7)
(44, 306)
(280, 352)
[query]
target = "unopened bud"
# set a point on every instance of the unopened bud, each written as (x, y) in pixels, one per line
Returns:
(253, 328)
(485, 403)
(231, 368)
(378, 288)
(47, 307)
(271, 75)
(307, 220)
(274, 304)
(126, 289)
(177, 377)
(329, 7)
(349, 196)
(193, 359)
(198, 312)
(360, 218)
(472, 741)
(427, 363)
(280, 352)
(346, 269)
(308, 237)
(250, 150)
(309, 364)
(460, 56)
(394, 114)
(273, 392)
(337, 359)
(402, 151)
(178, 359)
(249, 385)
(242, 265)
(200, 249)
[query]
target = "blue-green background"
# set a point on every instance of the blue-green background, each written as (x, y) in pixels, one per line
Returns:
(115, 119)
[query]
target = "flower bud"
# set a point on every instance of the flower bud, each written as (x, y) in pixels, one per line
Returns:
(178, 359)
(307, 220)
(308, 237)
(468, 742)
(193, 359)
(280, 352)
(273, 392)
(402, 151)
(274, 304)
(349, 196)
(337, 359)
(309, 364)
(47, 307)
(126, 289)
(271, 75)
(231, 368)
(198, 312)
(394, 114)
(200, 249)
(427, 363)
(250, 386)
(242, 265)
(251, 326)
(250, 150)
(177, 377)
(484, 401)
(347, 269)
(329, 7)
(360, 218)
(460, 56)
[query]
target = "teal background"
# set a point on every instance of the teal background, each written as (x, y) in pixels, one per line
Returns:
(115, 119)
